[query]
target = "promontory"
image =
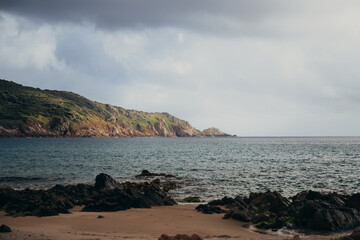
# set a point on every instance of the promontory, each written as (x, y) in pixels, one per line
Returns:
(32, 112)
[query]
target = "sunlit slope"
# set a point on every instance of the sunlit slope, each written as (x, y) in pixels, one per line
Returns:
(27, 111)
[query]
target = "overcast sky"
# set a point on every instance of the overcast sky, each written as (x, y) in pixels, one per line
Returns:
(251, 68)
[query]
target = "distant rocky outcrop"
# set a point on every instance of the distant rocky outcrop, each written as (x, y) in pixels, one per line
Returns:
(214, 132)
(147, 173)
(32, 112)
(306, 210)
(106, 195)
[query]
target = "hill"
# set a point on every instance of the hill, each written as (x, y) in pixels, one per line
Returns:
(32, 112)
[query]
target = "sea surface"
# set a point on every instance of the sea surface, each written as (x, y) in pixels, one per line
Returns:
(206, 167)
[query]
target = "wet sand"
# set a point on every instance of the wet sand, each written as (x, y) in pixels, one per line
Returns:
(131, 224)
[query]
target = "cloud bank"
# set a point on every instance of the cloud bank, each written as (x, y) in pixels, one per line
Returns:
(252, 68)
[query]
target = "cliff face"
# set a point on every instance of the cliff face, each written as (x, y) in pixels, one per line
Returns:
(32, 112)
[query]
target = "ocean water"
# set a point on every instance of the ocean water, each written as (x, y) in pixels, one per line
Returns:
(206, 167)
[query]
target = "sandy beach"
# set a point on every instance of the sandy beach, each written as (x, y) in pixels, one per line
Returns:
(131, 224)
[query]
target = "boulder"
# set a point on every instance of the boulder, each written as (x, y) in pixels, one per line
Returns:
(4, 229)
(225, 201)
(308, 209)
(105, 182)
(129, 195)
(241, 215)
(324, 212)
(209, 209)
(268, 201)
(230, 203)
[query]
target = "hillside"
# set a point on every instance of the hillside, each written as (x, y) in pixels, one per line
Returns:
(32, 112)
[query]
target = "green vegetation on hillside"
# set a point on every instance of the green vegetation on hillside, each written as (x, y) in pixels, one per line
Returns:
(54, 109)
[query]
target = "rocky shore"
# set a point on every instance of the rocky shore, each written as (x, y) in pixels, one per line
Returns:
(308, 210)
(106, 195)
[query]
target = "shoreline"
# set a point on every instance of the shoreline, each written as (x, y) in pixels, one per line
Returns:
(136, 224)
(144, 210)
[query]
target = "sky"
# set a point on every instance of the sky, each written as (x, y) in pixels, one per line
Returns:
(250, 67)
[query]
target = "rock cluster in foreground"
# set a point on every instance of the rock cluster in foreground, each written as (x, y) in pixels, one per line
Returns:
(307, 210)
(106, 195)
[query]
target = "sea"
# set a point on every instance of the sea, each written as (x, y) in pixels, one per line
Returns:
(208, 168)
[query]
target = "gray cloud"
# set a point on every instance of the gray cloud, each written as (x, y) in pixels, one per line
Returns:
(206, 15)
(247, 67)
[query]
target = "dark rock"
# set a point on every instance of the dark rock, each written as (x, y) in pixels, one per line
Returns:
(100, 216)
(180, 237)
(230, 203)
(323, 212)
(106, 195)
(354, 201)
(4, 229)
(156, 181)
(240, 203)
(241, 215)
(261, 217)
(209, 209)
(344, 238)
(355, 235)
(129, 195)
(268, 201)
(307, 195)
(146, 173)
(105, 182)
(308, 209)
(333, 220)
(33, 202)
(263, 225)
(222, 202)
(223, 236)
(264, 209)
(331, 198)
(156, 197)
(272, 223)
(168, 186)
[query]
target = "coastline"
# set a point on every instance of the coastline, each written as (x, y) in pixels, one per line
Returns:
(135, 224)
(113, 210)
(146, 210)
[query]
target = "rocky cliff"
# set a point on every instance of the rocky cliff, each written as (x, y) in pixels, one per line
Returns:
(214, 132)
(32, 112)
